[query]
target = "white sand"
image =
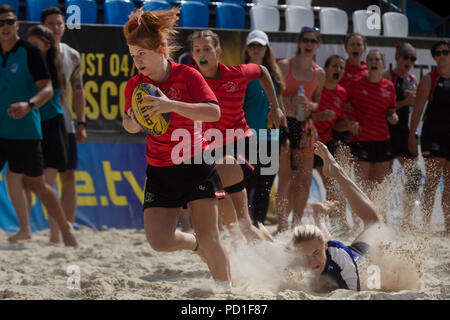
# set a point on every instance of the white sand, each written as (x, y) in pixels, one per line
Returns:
(119, 264)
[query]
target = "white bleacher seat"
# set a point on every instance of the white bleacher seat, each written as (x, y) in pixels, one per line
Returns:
(264, 18)
(395, 24)
(360, 18)
(268, 2)
(333, 21)
(297, 17)
(303, 3)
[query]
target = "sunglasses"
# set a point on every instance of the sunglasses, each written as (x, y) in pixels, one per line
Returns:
(255, 45)
(9, 22)
(311, 29)
(410, 57)
(313, 41)
(438, 53)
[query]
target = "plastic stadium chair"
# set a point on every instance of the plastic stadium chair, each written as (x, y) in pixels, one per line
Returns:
(156, 5)
(88, 9)
(13, 3)
(267, 2)
(240, 2)
(207, 2)
(297, 17)
(333, 21)
(194, 14)
(360, 18)
(35, 7)
(395, 24)
(265, 18)
(230, 16)
(302, 3)
(117, 11)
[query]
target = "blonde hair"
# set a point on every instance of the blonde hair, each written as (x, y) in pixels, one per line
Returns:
(151, 29)
(307, 232)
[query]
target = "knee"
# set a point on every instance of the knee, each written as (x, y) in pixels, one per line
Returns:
(158, 242)
(208, 239)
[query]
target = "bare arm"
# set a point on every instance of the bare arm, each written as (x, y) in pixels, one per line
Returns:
(423, 91)
(78, 98)
(276, 113)
(20, 109)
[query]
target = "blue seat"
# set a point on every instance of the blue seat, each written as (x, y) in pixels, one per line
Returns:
(207, 2)
(194, 14)
(13, 3)
(35, 7)
(117, 11)
(230, 16)
(156, 5)
(88, 10)
(239, 2)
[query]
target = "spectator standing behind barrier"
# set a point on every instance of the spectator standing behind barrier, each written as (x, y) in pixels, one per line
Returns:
(435, 137)
(52, 117)
(169, 187)
(405, 87)
(355, 68)
(53, 18)
(296, 163)
(229, 84)
(329, 116)
(25, 86)
(373, 100)
(256, 106)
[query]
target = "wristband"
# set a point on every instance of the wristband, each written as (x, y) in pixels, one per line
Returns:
(31, 105)
(83, 123)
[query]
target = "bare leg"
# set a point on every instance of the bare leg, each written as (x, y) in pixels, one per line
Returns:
(16, 190)
(413, 178)
(433, 170)
(204, 217)
(284, 187)
(185, 221)
(446, 197)
(356, 198)
(50, 179)
(50, 200)
(302, 182)
(69, 194)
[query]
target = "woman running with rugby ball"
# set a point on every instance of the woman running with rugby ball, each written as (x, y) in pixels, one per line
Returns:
(169, 186)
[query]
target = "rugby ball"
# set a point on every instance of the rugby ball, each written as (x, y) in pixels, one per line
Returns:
(157, 126)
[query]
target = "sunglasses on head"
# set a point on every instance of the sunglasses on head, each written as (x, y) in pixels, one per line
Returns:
(438, 53)
(410, 57)
(310, 29)
(9, 22)
(255, 45)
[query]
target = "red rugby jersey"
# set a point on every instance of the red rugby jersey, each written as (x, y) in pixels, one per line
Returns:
(184, 84)
(230, 92)
(353, 73)
(330, 100)
(371, 102)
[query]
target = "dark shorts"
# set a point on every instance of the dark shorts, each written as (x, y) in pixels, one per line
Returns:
(399, 141)
(341, 136)
(332, 146)
(242, 153)
(294, 132)
(72, 153)
(175, 186)
(360, 247)
(372, 151)
(54, 144)
(435, 146)
(23, 156)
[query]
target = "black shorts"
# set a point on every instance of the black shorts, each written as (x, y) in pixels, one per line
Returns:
(23, 156)
(72, 153)
(360, 247)
(399, 141)
(435, 146)
(332, 146)
(53, 144)
(294, 132)
(247, 155)
(372, 151)
(341, 136)
(175, 186)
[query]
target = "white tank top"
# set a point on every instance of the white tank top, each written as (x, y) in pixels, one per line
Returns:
(68, 66)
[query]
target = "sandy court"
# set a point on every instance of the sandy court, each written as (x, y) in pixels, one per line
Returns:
(119, 264)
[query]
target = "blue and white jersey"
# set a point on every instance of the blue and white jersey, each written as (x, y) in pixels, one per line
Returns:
(341, 265)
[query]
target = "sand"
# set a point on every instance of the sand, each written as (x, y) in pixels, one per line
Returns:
(119, 264)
